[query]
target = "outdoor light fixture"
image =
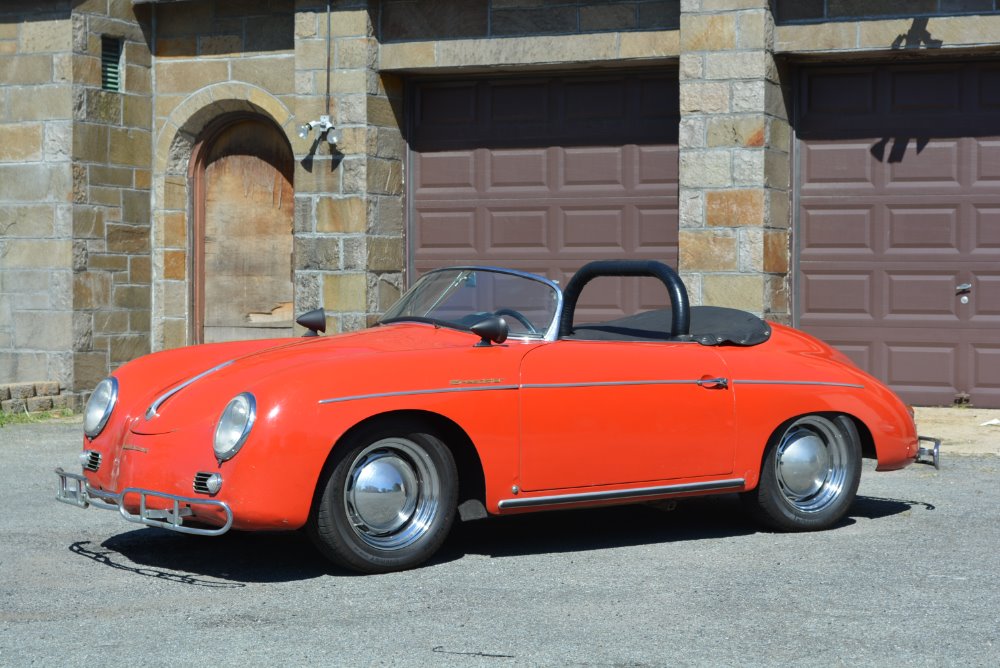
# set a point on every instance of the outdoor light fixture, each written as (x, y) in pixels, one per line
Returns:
(323, 127)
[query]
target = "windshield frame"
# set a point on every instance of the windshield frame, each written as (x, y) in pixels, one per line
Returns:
(550, 334)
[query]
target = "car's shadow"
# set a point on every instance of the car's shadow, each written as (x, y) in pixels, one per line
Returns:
(237, 559)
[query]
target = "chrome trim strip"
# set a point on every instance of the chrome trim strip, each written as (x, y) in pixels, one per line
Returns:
(151, 412)
(607, 383)
(620, 494)
(798, 382)
(405, 393)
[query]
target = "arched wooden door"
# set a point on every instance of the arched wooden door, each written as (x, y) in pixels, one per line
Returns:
(244, 206)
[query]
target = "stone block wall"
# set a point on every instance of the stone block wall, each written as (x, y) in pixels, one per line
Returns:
(111, 157)
(349, 198)
(36, 192)
(210, 59)
(402, 20)
(734, 158)
(789, 11)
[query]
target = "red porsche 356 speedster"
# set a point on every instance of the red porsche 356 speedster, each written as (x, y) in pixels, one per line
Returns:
(477, 394)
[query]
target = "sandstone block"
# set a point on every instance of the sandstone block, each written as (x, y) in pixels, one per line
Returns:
(89, 368)
(707, 32)
(38, 404)
(21, 391)
(317, 253)
(126, 348)
(706, 98)
(707, 250)
(705, 169)
(654, 44)
(744, 292)
(341, 215)
(25, 70)
(736, 131)
(734, 208)
(345, 292)
(776, 251)
(12, 406)
(131, 296)
(386, 253)
(127, 238)
(189, 76)
(385, 176)
(21, 142)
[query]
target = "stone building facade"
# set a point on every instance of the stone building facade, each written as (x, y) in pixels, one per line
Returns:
(125, 126)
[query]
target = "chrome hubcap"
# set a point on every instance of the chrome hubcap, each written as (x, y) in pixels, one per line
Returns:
(810, 465)
(392, 493)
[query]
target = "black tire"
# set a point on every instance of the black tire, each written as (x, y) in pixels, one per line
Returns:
(809, 476)
(401, 516)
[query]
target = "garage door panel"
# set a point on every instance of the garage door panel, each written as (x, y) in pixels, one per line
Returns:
(836, 230)
(829, 167)
(921, 297)
(656, 167)
(986, 232)
(837, 295)
(986, 159)
(593, 230)
(986, 368)
(526, 170)
(923, 229)
(589, 167)
(984, 301)
(909, 91)
(931, 164)
(520, 230)
(923, 365)
(656, 230)
(447, 231)
(446, 174)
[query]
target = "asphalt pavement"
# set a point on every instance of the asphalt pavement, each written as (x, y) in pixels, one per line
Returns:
(908, 579)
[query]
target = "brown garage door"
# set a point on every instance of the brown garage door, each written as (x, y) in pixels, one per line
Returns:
(546, 173)
(899, 224)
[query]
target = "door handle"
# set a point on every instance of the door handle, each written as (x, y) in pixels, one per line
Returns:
(963, 288)
(713, 383)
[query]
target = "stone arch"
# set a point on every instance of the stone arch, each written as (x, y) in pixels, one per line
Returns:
(171, 206)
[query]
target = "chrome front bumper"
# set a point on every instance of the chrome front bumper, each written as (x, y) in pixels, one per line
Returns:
(931, 453)
(74, 490)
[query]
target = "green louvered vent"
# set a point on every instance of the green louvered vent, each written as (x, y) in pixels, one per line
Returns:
(111, 63)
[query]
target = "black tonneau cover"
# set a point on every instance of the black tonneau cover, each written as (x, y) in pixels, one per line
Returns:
(710, 326)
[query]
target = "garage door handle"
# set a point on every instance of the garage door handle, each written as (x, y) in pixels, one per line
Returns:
(713, 383)
(963, 288)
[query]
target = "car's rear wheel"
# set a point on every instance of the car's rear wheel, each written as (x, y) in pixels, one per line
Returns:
(387, 501)
(810, 474)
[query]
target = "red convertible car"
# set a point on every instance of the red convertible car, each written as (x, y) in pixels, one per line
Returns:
(477, 394)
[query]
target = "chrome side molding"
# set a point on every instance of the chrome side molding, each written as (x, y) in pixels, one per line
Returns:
(623, 494)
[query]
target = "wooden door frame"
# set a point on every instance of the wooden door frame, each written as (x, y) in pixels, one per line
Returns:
(196, 178)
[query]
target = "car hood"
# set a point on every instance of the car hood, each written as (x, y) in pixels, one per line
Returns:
(202, 379)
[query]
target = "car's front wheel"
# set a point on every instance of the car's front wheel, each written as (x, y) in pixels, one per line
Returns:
(810, 474)
(387, 501)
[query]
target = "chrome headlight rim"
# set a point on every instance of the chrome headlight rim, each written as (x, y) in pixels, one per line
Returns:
(246, 402)
(110, 398)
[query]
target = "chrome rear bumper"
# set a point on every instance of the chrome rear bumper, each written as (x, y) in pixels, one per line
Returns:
(931, 453)
(74, 490)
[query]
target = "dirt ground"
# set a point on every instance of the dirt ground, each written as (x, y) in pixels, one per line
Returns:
(961, 430)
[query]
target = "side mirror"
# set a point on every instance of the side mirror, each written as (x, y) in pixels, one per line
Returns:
(491, 330)
(314, 321)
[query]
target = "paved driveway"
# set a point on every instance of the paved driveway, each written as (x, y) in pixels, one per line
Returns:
(910, 578)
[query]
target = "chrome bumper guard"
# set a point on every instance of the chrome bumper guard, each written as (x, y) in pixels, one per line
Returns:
(74, 490)
(930, 454)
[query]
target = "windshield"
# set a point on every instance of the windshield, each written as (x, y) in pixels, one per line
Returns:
(462, 296)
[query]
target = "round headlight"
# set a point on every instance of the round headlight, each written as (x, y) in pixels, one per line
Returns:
(234, 426)
(99, 406)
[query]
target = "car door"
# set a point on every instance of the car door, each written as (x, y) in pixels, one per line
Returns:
(607, 413)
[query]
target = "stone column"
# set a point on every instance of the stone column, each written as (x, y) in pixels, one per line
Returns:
(734, 158)
(349, 244)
